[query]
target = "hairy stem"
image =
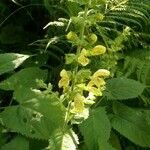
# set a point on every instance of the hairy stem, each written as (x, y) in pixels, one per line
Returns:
(75, 70)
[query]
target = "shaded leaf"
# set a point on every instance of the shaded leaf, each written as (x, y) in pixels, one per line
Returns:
(96, 129)
(10, 61)
(105, 146)
(25, 78)
(18, 143)
(132, 124)
(122, 88)
(36, 117)
(63, 140)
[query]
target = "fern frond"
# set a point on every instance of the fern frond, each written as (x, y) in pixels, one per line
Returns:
(138, 67)
(131, 13)
(125, 20)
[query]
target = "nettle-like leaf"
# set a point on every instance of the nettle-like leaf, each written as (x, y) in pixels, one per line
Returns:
(25, 121)
(123, 88)
(3, 136)
(105, 145)
(10, 61)
(96, 129)
(24, 78)
(132, 124)
(18, 143)
(63, 140)
(36, 117)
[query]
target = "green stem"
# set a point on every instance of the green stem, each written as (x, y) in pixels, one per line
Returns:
(81, 36)
(75, 70)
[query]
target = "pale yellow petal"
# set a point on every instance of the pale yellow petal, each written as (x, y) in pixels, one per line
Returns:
(64, 81)
(79, 103)
(101, 73)
(83, 60)
(98, 50)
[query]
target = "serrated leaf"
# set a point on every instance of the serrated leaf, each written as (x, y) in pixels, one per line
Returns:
(96, 129)
(25, 78)
(36, 144)
(36, 117)
(18, 143)
(10, 61)
(3, 136)
(22, 94)
(132, 124)
(63, 140)
(114, 140)
(105, 145)
(122, 88)
(19, 119)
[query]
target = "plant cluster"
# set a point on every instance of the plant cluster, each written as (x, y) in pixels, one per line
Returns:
(95, 96)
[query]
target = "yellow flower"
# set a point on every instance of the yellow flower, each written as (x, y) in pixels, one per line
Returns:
(92, 38)
(82, 59)
(98, 82)
(78, 103)
(90, 99)
(101, 73)
(64, 81)
(94, 87)
(98, 50)
(95, 91)
(84, 52)
(71, 36)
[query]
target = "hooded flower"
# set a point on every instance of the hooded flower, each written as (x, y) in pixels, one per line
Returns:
(82, 59)
(101, 73)
(64, 81)
(97, 83)
(98, 50)
(78, 103)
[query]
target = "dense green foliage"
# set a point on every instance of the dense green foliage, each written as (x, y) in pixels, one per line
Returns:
(55, 58)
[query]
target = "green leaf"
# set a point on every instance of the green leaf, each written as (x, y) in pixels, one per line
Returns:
(36, 117)
(3, 136)
(114, 140)
(105, 145)
(132, 124)
(36, 144)
(25, 121)
(96, 129)
(25, 78)
(63, 140)
(18, 143)
(10, 61)
(122, 88)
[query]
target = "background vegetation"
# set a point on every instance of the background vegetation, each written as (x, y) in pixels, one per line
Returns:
(33, 46)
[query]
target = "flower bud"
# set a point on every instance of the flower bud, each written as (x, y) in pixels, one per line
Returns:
(71, 36)
(98, 50)
(99, 17)
(92, 38)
